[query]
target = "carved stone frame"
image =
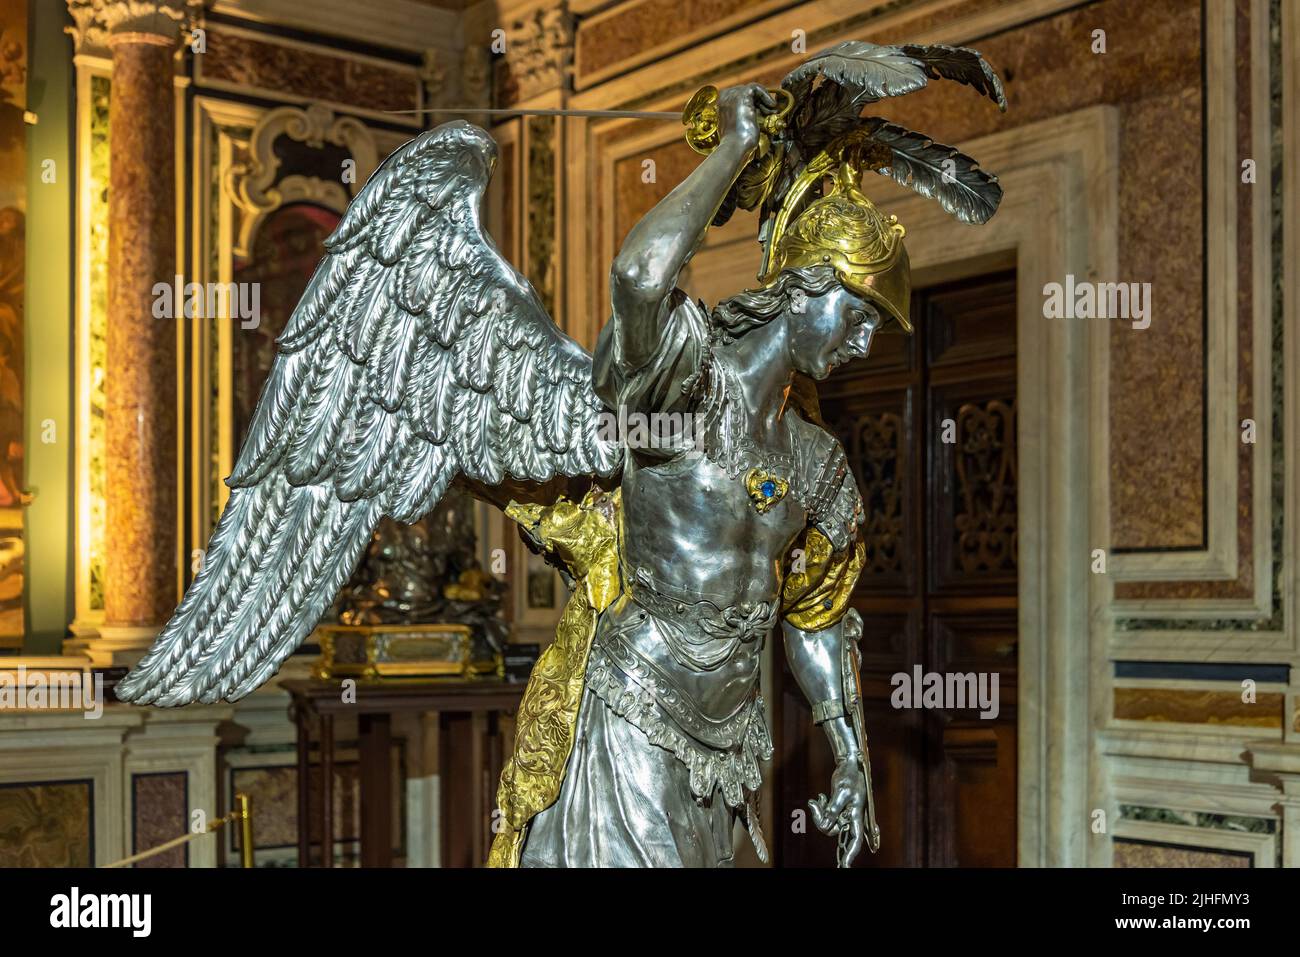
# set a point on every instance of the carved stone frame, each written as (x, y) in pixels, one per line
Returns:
(251, 185)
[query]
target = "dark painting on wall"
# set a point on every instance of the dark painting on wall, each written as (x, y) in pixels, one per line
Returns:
(286, 249)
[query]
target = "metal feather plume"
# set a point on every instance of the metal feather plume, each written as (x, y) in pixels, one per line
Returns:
(830, 90)
(936, 171)
(875, 72)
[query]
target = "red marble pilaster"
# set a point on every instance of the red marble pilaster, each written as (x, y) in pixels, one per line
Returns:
(140, 371)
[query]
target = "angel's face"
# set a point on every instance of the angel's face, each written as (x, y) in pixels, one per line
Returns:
(828, 330)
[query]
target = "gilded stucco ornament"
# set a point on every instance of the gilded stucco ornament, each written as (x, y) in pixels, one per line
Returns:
(418, 356)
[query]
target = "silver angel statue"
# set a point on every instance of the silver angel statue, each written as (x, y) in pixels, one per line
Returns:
(418, 356)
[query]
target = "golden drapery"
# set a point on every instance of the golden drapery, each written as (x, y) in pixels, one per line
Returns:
(585, 538)
(819, 584)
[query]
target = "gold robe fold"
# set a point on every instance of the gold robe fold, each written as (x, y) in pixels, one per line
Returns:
(585, 538)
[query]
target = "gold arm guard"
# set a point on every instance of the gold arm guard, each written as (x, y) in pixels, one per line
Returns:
(820, 582)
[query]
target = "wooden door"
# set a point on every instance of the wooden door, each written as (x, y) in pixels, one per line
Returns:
(929, 424)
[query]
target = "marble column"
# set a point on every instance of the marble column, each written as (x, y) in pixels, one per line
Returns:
(140, 574)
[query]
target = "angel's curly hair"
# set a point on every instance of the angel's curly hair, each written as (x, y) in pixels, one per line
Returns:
(752, 308)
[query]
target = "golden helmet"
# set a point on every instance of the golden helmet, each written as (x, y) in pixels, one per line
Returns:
(845, 230)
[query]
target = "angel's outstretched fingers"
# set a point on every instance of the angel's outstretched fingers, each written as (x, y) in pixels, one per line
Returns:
(824, 821)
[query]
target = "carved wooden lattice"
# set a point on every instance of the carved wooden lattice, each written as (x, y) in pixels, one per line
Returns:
(984, 519)
(880, 439)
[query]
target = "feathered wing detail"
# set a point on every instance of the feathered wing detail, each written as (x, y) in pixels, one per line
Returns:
(937, 171)
(416, 354)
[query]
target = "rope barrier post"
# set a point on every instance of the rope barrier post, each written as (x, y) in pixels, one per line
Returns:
(244, 812)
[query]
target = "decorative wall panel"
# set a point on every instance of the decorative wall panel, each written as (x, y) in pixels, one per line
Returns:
(251, 63)
(160, 811)
(47, 824)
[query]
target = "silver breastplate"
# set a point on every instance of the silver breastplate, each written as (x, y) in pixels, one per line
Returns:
(813, 468)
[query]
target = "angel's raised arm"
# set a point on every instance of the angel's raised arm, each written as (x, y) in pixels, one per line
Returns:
(645, 270)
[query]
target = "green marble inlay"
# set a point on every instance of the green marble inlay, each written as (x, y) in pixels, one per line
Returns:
(97, 329)
(1156, 815)
(1222, 822)
(1241, 823)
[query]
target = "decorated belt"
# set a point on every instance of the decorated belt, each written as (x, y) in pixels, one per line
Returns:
(639, 674)
(701, 634)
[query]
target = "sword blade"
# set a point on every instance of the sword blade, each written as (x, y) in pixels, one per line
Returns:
(617, 114)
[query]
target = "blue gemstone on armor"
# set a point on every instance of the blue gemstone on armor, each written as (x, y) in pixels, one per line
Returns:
(768, 488)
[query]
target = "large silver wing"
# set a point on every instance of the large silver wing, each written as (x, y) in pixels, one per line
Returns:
(416, 354)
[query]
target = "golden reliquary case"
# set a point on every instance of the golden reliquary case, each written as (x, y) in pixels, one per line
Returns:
(400, 651)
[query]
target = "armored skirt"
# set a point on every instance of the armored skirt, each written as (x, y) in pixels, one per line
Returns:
(627, 803)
